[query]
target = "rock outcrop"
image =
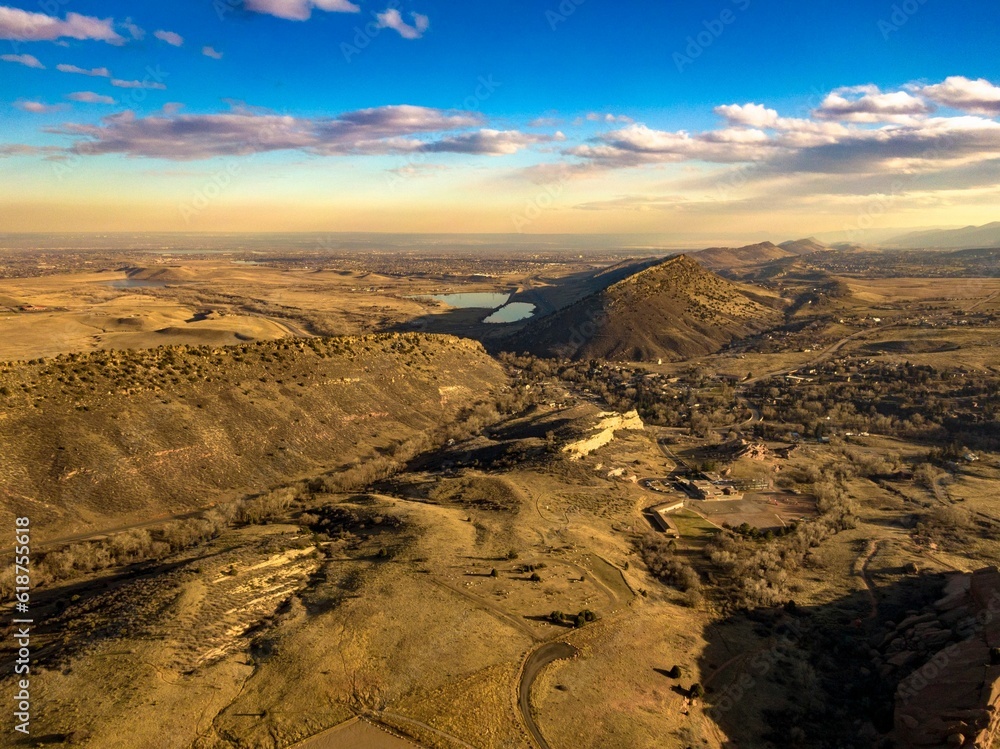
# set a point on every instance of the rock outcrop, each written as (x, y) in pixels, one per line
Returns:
(952, 698)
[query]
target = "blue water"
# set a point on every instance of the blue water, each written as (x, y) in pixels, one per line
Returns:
(512, 313)
(472, 300)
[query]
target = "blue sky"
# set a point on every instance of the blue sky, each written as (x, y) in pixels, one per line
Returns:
(433, 115)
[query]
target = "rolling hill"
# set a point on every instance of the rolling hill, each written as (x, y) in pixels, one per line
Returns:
(738, 258)
(90, 440)
(162, 274)
(673, 310)
(805, 246)
(734, 258)
(966, 238)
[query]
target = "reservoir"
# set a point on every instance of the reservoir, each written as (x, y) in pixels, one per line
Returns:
(472, 300)
(512, 313)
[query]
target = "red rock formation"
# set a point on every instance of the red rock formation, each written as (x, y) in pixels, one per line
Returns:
(953, 698)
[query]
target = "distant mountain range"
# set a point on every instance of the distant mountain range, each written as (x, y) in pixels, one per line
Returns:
(733, 258)
(966, 238)
(675, 309)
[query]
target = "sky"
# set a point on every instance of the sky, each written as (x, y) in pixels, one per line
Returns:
(702, 121)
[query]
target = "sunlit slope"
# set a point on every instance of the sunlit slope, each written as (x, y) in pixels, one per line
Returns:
(90, 439)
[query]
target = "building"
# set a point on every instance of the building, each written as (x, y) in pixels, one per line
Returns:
(659, 516)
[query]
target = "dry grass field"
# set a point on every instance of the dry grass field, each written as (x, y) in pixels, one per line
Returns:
(253, 534)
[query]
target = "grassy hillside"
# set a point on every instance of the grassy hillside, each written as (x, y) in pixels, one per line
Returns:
(108, 437)
(673, 310)
(730, 258)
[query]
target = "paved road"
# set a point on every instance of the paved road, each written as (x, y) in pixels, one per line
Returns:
(539, 659)
(825, 353)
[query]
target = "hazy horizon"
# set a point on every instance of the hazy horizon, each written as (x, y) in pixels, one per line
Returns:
(300, 115)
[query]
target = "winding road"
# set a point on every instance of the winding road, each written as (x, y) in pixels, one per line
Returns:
(533, 665)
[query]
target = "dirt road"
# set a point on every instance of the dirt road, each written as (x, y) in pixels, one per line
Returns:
(539, 659)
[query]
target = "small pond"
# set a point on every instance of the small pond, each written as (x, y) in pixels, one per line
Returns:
(471, 300)
(512, 313)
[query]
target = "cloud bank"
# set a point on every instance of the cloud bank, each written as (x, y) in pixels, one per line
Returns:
(378, 131)
(853, 130)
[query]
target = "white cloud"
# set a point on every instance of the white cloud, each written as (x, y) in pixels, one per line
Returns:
(795, 131)
(751, 115)
(856, 131)
(606, 118)
(637, 203)
(119, 83)
(38, 107)
(871, 106)
(211, 52)
(979, 96)
(391, 19)
(299, 10)
(486, 142)
(98, 72)
(384, 130)
(8, 150)
(89, 97)
(639, 144)
(24, 26)
(174, 40)
(27, 60)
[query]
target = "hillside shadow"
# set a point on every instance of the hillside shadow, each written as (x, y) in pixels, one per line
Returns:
(547, 299)
(807, 676)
